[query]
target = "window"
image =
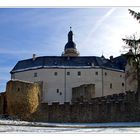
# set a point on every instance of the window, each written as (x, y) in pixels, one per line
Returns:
(122, 84)
(120, 75)
(55, 73)
(35, 74)
(68, 73)
(79, 73)
(105, 74)
(18, 89)
(57, 90)
(111, 85)
(96, 73)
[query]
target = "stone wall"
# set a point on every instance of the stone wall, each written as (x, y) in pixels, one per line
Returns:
(2, 100)
(112, 108)
(83, 93)
(23, 98)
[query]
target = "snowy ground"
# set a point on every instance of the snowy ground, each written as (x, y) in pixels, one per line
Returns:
(27, 129)
(10, 126)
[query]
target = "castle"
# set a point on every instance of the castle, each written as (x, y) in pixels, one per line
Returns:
(67, 77)
(72, 88)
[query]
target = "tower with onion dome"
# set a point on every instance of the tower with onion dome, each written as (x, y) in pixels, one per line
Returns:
(70, 47)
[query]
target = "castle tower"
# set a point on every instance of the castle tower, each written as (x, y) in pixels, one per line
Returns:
(70, 47)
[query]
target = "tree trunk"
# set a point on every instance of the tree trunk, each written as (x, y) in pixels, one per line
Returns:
(138, 84)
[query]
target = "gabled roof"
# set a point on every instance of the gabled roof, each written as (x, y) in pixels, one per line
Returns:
(66, 62)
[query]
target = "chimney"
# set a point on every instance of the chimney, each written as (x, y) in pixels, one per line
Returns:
(34, 57)
(111, 58)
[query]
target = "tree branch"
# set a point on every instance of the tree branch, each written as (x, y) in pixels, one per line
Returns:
(135, 14)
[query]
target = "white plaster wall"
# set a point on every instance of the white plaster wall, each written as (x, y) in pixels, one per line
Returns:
(51, 82)
(87, 77)
(116, 79)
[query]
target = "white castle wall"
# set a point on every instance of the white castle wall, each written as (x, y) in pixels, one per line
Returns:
(59, 87)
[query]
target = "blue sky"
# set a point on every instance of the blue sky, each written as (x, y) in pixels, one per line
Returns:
(43, 31)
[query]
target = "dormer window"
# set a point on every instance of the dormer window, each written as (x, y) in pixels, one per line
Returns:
(92, 64)
(55, 63)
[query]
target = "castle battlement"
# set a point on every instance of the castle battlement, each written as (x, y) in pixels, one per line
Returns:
(23, 101)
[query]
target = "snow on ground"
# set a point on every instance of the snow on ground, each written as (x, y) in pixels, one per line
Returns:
(13, 126)
(28, 129)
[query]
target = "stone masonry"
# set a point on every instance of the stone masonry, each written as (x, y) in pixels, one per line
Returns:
(23, 101)
(112, 108)
(23, 98)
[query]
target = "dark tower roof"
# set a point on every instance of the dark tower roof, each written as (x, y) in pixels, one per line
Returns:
(70, 47)
(70, 43)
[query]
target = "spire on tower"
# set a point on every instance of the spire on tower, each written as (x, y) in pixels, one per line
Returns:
(70, 36)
